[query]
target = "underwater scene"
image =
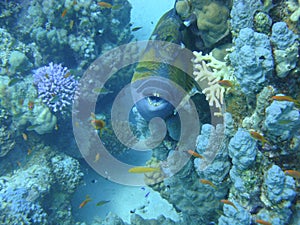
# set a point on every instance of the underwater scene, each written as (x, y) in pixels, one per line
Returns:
(154, 112)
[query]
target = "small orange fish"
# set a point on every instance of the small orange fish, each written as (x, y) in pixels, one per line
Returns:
(97, 157)
(25, 137)
(29, 151)
(263, 222)
(85, 201)
(225, 83)
(286, 98)
(195, 154)
(30, 105)
(64, 13)
(227, 202)
(259, 137)
(105, 5)
(98, 124)
(203, 181)
(293, 173)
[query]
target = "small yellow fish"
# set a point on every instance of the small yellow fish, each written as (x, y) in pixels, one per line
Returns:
(293, 173)
(68, 73)
(259, 137)
(29, 151)
(85, 201)
(71, 26)
(25, 137)
(97, 157)
(227, 202)
(141, 169)
(56, 127)
(203, 181)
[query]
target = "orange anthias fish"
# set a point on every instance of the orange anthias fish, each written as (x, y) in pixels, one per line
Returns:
(286, 98)
(98, 124)
(263, 222)
(63, 14)
(225, 83)
(105, 5)
(293, 173)
(85, 201)
(227, 202)
(259, 137)
(195, 154)
(203, 181)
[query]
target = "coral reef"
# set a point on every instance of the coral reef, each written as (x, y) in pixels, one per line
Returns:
(279, 193)
(262, 101)
(27, 111)
(206, 67)
(208, 19)
(285, 48)
(282, 121)
(252, 60)
(24, 194)
(242, 149)
(56, 86)
(242, 14)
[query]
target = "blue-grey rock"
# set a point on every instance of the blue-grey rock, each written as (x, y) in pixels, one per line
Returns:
(282, 121)
(242, 149)
(279, 187)
(252, 60)
(281, 36)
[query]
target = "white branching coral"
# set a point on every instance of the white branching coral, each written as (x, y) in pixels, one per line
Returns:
(207, 72)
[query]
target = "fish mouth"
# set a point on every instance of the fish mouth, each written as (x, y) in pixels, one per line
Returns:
(154, 106)
(155, 97)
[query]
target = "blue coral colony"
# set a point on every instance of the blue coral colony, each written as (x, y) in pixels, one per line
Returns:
(246, 51)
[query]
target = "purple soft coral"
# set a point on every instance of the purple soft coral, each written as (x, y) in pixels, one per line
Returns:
(56, 86)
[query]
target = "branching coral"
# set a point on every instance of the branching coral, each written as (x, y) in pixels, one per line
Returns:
(206, 67)
(56, 86)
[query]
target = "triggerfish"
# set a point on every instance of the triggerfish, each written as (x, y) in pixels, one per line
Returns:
(142, 169)
(169, 31)
(85, 201)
